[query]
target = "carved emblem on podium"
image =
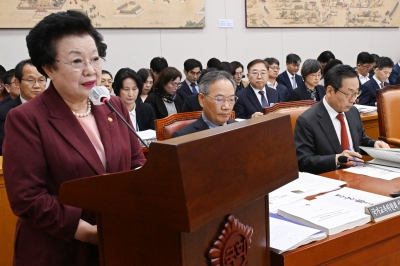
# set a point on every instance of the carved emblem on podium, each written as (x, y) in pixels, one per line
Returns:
(232, 246)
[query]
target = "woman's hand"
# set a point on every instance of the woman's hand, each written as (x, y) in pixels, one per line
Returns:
(86, 233)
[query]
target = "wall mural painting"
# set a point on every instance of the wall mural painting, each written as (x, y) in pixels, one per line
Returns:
(108, 13)
(322, 13)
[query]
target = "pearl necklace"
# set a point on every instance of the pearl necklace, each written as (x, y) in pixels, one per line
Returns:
(89, 109)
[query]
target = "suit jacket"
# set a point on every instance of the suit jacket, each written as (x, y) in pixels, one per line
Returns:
(301, 93)
(145, 116)
(196, 126)
(395, 73)
(6, 100)
(398, 80)
(4, 109)
(317, 143)
(184, 90)
(284, 79)
(248, 103)
(56, 149)
(192, 104)
(158, 105)
(368, 92)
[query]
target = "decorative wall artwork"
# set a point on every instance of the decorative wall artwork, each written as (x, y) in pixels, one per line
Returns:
(108, 13)
(322, 13)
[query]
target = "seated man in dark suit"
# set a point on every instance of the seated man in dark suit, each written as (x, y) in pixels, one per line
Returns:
(368, 90)
(30, 82)
(11, 86)
(256, 96)
(364, 64)
(289, 78)
(273, 72)
(192, 70)
(395, 73)
(333, 127)
(217, 97)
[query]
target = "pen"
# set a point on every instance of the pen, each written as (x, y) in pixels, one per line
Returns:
(354, 157)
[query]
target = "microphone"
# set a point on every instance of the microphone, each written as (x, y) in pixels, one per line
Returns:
(100, 95)
(343, 159)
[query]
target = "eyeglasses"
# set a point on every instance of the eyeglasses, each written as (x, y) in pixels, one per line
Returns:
(79, 64)
(109, 81)
(238, 74)
(315, 76)
(174, 84)
(275, 68)
(367, 66)
(256, 74)
(221, 99)
(31, 82)
(351, 95)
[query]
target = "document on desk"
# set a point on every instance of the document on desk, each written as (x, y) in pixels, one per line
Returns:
(352, 199)
(385, 157)
(374, 171)
(287, 235)
(365, 109)
(330, 218)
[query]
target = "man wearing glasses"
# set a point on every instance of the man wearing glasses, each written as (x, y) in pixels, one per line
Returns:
(333, 127)
(255, 97)
(364, 64)
(217, 97)
(30, 82)
(383, 70)
(192, 70)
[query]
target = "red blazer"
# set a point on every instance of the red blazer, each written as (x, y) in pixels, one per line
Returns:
(44, 147)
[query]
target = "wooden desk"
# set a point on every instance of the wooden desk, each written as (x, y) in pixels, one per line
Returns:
(7, 224)
(370, 244)
(371, 124)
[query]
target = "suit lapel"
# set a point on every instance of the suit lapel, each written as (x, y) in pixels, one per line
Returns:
(303, 91)
(328, 128)
(70, 129)
(253, 98)
(353, 129)
(288, 81)
(200, 124)
(161, 106)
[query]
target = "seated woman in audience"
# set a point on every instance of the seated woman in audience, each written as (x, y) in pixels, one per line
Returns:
(310, 90)
(164, 100)
(128, 85)
(147, 78)
(61, 136)
(106, 80)
(237, 68)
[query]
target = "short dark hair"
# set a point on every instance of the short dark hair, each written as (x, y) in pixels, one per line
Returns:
(235, 65)
(310, 66)
(19, 68)
(213, 62)
(123, 74)
(256, 61)
(8, 76)
(227, 67)
(331, 64)
(191, 64)
(325, 57)
(157, 64)
(384, 61)
(42, 39)
(144, 74)
(106, 72)
(167, 75)
(336, 74)
(293, 59)
(375, 56)
(271, 61)
(364, 58)
(2, 69)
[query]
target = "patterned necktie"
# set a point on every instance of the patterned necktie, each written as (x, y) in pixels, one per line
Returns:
(382, 84)
(194, 90)
(294, 82)
(264, 101)
(343, 133)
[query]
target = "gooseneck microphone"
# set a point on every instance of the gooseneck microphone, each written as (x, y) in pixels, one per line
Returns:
(343, 159)
(100, 95)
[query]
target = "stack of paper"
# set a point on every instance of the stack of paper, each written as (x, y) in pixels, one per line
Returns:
(306, 185)
(325, 216)
(148, 135)
(365, 109)
(286, 234)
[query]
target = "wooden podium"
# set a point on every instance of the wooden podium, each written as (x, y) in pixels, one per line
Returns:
(173, 210)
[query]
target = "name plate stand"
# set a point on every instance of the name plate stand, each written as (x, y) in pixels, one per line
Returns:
(384, 210)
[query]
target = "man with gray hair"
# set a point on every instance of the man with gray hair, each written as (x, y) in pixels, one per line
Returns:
(217, 97)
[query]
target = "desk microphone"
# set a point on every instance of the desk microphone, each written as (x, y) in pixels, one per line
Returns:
(100, 95)
(345, 159)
